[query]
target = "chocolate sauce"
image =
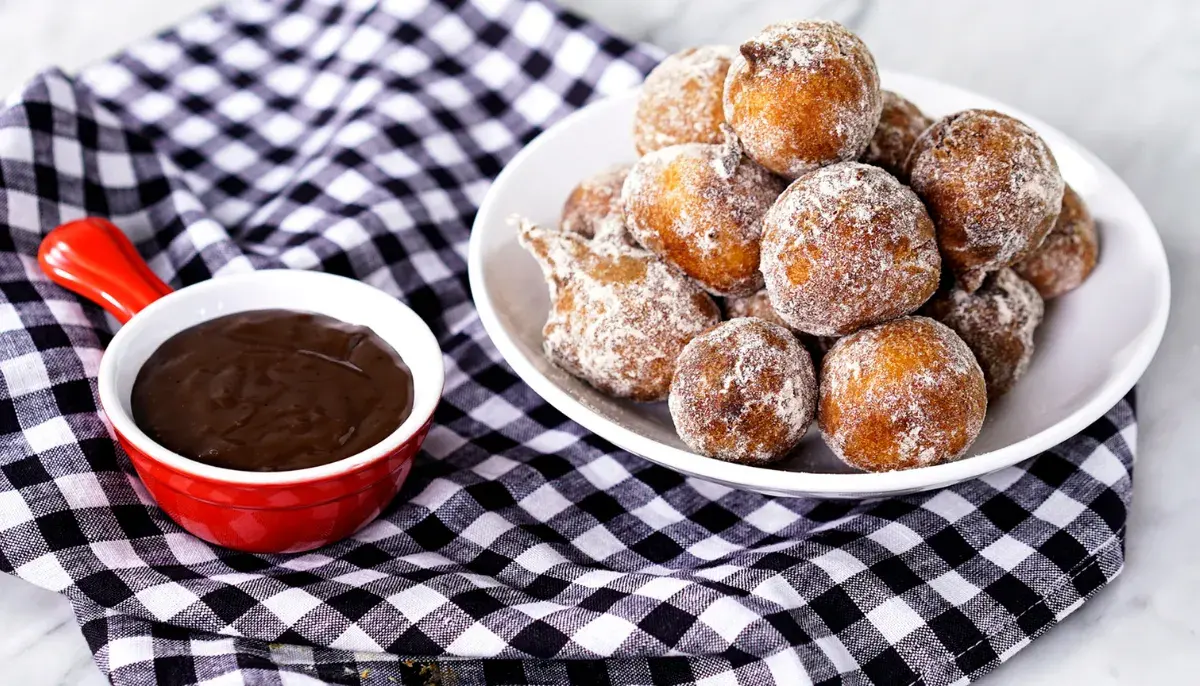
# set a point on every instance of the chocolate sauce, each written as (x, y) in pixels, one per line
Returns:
(272, 390)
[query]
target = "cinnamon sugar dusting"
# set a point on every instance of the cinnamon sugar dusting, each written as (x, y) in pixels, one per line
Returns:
(700, 208)
(802, 95)
(904, 394)
(992, 187)
(681, 99)
(759, 305)
(847, 246)
(1068, 255)
(744, 392)
(618, 316)
(997, 322)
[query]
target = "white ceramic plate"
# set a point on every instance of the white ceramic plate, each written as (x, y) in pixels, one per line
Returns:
(1092, 347)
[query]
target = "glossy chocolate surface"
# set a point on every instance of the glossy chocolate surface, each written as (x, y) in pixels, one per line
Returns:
(272, 390)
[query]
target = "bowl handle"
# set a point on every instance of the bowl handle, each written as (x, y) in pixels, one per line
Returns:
(94, 259)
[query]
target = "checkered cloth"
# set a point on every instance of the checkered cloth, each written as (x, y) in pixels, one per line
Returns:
(358, 138)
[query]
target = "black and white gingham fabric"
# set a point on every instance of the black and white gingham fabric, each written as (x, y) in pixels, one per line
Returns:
(358, 137)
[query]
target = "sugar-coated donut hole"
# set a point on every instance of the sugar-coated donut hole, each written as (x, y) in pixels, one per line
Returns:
(744, 392)
(848, 246)
(997, 322)
(992, 187)
(699, 208)
(802, 95)
(618, 317)
(681, 99)
(1068, 255)
(907, 393)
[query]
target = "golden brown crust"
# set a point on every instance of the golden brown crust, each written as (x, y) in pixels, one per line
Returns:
(618, 317)
(1068, 255)
(802, 95)
(847, 246)
(907, 393)
(992, 187)
(900, 125)
(997, 322)
(743, 392)
(680, 100)
(702, 212)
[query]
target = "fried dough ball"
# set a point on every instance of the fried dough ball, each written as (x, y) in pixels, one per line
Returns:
(847, 246)
(907, 393)
(759, 305)
(743, 392)
(996, 322)
(594, 210)
(900, 125)
(802, 95)
(618, 317)
(1068, 255)
(992, 187)
(681, 99)
(700, 207)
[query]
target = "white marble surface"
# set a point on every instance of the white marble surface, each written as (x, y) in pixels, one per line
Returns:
(1123, 78)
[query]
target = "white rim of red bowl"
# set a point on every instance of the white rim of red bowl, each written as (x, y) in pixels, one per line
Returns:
(425, 399)
(776, 480)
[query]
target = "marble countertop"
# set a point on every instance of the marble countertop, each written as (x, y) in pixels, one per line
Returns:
(1121, 78)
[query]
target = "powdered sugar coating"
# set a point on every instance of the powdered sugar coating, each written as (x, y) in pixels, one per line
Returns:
(847, 246)
(594, 208)
(997, 322)
(900, 125)
(618, 317)
(1068, 255)
(907, 393)
(992, 187)
(680, 100)
(802, 95)
(700, 207)
(743, 392)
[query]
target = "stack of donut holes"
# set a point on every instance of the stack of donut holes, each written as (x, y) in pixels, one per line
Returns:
(784, 211)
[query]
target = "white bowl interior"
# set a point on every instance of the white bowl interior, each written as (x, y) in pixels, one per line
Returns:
(345, 299)
(1092, 346)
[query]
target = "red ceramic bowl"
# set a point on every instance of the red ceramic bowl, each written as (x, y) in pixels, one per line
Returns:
(267, 512)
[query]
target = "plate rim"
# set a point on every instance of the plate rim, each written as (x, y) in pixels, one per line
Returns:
(802, 484)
